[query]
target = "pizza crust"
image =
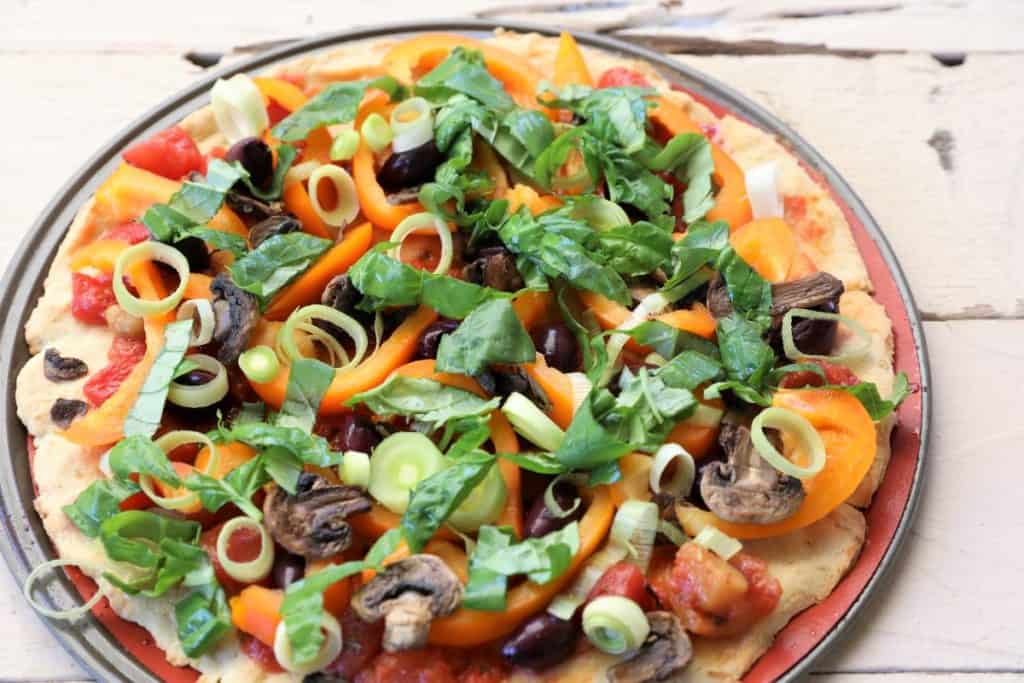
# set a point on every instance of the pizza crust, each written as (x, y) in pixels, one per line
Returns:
(809, 563)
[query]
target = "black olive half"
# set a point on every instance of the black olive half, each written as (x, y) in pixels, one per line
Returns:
(256, 158)
(410, 168)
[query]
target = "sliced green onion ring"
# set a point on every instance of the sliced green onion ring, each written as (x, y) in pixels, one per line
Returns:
(672, 532)
(412, 123)
(300, 173)
(376, 132)
(565, 603)
(253, 570)
(551, 503)
(200, 395)
(345, 145)
(336, 352)
(794, 423)
(149, 251)
(70, 614)
(634, 527)
(615, 624)
(531, 422)
(260, 364)
(599, 213)
(354, 469)
(399, 463)
(238, 108)
(581, 386)
(682, 479)
(721, 544)
(425, 220)
(200, 311)
(329, 651)
(650, 305)
(793, 353)
(483, 505)
(655, 359)
(705, 416)
(347, 206)
(348, 324)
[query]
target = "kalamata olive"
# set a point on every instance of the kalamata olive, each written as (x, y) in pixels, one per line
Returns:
(542, 641)
(249, 207)
(58, 368)
(256, 158)
(540, 520)
(349, 432)
(431, 338)
(810, 336)
(559, 346)
(495, 268)
(268, 227)
(410, 168)
(64, 411)
(341, 295)
(193, 378)
(195, 251)
(288, 568)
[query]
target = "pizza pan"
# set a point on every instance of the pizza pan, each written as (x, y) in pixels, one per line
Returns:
(112, 649)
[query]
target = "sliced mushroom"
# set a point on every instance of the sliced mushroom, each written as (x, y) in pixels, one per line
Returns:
(64, 411)
(341, 295)
(407, 595)
(236, 313)
(58, 368)
(250, 207)
(280, 224)
(744, 489)
(502, 380)
(495, 268)
(820, 292)
(666, 650)
(312, 522)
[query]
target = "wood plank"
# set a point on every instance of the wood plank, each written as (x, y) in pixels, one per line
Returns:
(950, 215)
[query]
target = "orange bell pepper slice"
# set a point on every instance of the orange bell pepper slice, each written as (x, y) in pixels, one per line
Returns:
(230, 456)
(318, 146)
(198, 287)
(696, 319)
(636, 479)
(768, 245)
(105, 424)
(308, 288)
(570, 67)
(849, 436)
(285, 93)
(697, 439)
(466, 627)
(296, 200)
(731, 202)
(101, 255)
(395, 351)
(257, 611)
(532, 308)
(524, 195)
(557, 387)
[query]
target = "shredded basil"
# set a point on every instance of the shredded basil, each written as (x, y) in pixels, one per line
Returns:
(428, 403)
(492, 333)
(336, 103)
(148, 409)
(266, 270)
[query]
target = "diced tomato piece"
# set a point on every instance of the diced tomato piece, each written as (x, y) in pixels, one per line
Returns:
(243, 546)
(218, 152)
(124, 354)
(409, 666)
(132, 233)
(619, 76)
(91, 296)
(834, 374)
(136, 501)
(261, 653)
(360, 645)
(171, 153)
(625, 579)
(275, 112)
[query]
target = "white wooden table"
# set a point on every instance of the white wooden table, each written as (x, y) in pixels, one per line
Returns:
(935, 151)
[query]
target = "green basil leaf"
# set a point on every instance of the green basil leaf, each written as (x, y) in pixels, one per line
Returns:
(237, 487)
(879, 408)
(436, 497)
(463, 71)
(541, 559)
(165, 223)
(688, 156)
(100, 501)
(308, 448)
(130, 536)
(275, 262)
(219, 240)
(636, 249)
(423, 400)
(745, 355)
(668, 341)
(308, 381)
(492, 333)
(750, 293)
(198, 202)
(587, 444)
(539, 462)
(148, 409)
(202, 616)
(486, 589)
(303, 608)
(139, 455)
(283, 467)
(336, 103)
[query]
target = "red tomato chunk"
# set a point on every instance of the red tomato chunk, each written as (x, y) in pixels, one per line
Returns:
(90, 297)
(171, 153)
(125, 353)
(625, 579)
(132, 233)
(360, 644)
(260, 652)
(834, 374)
(619, 76)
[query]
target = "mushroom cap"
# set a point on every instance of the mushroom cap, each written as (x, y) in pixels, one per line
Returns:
(408, 594)
(237, 313)
(811, 291)
(745, 490)
(312, 522)
(666, 650)
(279, 224)
(495, 268)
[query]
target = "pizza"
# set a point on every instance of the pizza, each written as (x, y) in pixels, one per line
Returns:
(458, 359)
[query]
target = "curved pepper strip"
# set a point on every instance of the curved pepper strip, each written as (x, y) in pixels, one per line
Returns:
(768, 245)
(105, 425)
(296, 200)
(524, 195)
(308, 288)
(849, 436)
(285, 93)
(394, 352)
(557, 387)
(698, 440)
(532, 308)
(731, 202)
(610, 315)
(467, 628)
